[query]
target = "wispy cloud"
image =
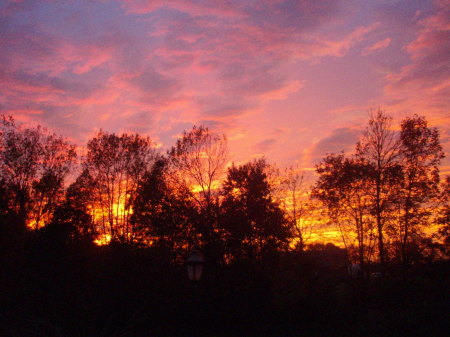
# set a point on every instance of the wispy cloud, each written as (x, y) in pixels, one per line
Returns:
(382, 44)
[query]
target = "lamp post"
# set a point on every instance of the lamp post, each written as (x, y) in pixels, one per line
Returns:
(194, 265)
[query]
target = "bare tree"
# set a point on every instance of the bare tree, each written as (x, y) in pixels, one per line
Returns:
(198, 160)
(116, 164)
(197, 166)
(379, 147)
(297, 204)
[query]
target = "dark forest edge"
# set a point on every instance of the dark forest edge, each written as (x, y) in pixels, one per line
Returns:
(262, 276)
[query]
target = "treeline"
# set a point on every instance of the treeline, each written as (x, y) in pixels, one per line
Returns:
(381, 199)
(127, 192)
(95, 243)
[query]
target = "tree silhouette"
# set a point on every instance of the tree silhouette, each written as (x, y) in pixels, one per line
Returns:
(116, 164)
(421, 154)
(74, 213)
(252, 222)
(379, 147)
(12, 228)
(33, 165)
(443, 219)
(297, 204)
(199, 159)
(342, 187)
(197, 163)
(163, 215)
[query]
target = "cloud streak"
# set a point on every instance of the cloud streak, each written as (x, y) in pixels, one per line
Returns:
(377, 46)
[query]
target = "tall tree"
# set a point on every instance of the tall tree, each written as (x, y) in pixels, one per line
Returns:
(116, 164)
(197, 165)
(253, 224)
(33, 165)
(342, 187)
(379, 147)
(421, 154)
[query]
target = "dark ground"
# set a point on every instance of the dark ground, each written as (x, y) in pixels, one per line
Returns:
(125, 291)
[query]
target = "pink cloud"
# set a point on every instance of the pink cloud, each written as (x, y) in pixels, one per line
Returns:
(198, 8)
(424, 81)
(318, 46)
(282, 92)
(382, 44)
(239, 66)
(423, 85)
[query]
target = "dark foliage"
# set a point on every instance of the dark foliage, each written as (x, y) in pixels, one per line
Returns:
(163, 214)
(252, 223)
(64, 287)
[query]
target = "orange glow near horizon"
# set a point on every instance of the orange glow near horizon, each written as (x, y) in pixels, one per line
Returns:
(103, 239)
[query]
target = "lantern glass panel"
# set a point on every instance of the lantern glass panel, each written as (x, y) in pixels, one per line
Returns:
(194, 271)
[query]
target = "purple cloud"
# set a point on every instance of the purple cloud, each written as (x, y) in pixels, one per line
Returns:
(243, 67)
(342, 139)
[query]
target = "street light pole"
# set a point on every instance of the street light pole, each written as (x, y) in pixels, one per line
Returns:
(194, 266)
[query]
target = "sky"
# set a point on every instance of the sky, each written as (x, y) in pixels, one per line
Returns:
(288, 80)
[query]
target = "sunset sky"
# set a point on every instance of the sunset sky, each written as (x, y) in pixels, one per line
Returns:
(291, 80)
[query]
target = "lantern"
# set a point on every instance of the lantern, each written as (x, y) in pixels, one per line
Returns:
(194, 265)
